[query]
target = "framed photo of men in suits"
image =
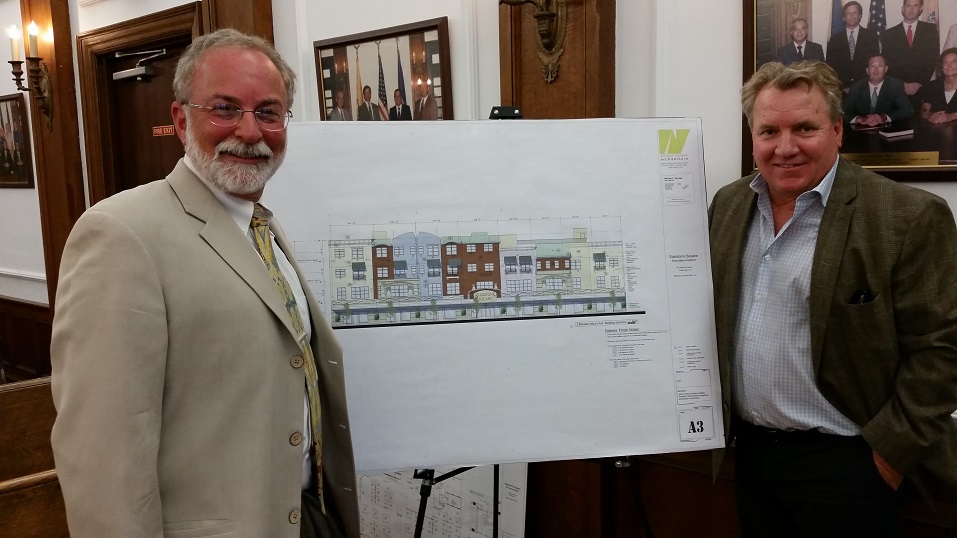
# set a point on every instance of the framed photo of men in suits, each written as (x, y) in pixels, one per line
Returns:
(402, 73)
(878, 48)
(16, 164)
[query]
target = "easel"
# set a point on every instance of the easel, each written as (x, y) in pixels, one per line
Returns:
(429, 479)
(624, 462)
(428, 475)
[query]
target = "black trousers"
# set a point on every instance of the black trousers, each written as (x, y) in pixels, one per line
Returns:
(809, 483)
(314, 523)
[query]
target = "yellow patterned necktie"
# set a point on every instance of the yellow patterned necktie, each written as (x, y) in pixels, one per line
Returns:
(260, 227)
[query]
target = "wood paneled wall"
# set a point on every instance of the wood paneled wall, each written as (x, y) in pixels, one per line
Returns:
(31, 504)
(585, 85)
(24, 340)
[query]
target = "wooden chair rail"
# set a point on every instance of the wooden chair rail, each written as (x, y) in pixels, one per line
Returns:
(23, 482)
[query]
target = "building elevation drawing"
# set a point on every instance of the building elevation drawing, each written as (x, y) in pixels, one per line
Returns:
(417, 276)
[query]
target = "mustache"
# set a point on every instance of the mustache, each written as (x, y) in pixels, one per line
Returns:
(239, 149)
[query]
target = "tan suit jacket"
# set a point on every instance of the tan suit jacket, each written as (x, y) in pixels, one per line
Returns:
(174, 376)
(890, 365)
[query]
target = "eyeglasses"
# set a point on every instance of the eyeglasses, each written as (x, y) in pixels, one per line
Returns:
(229, 114)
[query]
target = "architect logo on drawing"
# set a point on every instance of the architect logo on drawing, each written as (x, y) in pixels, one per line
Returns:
(672, 142)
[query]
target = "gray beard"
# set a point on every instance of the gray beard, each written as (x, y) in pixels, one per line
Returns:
(230, 177)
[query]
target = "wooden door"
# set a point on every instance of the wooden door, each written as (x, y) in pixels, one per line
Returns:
(127, 122)
(119, 116)
(145, 147)
(584, 85)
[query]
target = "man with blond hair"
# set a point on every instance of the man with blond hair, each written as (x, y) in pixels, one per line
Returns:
(836, 315)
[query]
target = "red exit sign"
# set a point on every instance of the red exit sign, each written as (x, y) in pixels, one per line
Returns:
(163, 130)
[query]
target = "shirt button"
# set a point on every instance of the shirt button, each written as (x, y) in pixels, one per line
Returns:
(295, 516)
(295, 439)
(296, 362)
(767, 257)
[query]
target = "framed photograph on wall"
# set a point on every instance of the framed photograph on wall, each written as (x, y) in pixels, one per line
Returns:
(911, 147)
(16, 166)
(402, 73)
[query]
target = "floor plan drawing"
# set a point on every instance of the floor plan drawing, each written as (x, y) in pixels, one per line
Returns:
(460, 507)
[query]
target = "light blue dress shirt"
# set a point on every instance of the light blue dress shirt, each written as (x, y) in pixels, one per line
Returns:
(773, 374)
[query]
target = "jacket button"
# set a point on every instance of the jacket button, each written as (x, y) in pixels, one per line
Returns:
(295, 516)
(296, 362)
(295, 439)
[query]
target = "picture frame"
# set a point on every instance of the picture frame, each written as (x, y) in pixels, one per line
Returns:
(409, 61)
(766, 29)
(16, 164)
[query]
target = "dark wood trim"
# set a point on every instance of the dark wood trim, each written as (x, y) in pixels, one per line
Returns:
(509, 53)
(28, 416)
(91, 46)
(57, 149)
(747, 161)
(599, 47)
(250, 16)
(25, 329)
(31, 503)
(24, 482)
(591, 61)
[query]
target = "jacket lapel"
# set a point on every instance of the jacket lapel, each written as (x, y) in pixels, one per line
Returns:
(726, 251)
(222, 235)
(828, 253)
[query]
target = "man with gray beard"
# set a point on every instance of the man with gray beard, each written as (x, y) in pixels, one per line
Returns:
(199, 388)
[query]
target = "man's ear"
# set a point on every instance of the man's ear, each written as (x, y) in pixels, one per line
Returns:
(178, 111)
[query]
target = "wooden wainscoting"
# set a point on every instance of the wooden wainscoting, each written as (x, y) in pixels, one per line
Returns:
(24, 339)
(31, 504)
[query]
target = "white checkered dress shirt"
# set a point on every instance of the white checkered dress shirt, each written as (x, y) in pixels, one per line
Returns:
(773, 375)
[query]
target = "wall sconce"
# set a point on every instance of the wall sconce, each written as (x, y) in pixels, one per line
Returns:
(38, 77)
(550, 19)
(428, 85)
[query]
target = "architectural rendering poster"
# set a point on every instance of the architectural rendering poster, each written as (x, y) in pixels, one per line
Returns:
(510, 291)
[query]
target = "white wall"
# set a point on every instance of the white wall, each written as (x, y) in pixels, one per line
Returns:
(22, 272)
(671, 61)
(698, 73)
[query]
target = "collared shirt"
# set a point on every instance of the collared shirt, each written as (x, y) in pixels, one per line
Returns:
(772, 370)
(241, 211)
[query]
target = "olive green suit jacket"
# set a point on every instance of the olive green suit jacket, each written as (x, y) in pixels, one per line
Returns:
(177, 376)
(890, 365)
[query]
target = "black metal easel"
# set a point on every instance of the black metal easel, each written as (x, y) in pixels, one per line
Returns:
(425, 491)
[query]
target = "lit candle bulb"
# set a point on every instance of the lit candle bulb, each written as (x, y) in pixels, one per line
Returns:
(33, 30)
(14, 34)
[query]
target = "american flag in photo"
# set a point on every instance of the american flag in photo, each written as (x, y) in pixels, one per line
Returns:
(877, 21)
(383, 96)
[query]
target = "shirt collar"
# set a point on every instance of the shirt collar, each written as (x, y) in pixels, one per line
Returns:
(760, 186)
(241, 211)
(876, 86)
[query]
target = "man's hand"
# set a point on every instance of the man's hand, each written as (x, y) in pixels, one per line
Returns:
(910, 88)
(891, 476)
(870, 120)
(941, 117)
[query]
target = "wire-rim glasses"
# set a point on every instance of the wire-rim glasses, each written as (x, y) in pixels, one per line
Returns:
(229, 114)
